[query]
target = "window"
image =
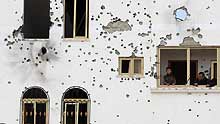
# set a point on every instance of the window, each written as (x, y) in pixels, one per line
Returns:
(131, 66)
(36, 19)
(76, 19)
(75, 106)
(35, 106)
(188, 66)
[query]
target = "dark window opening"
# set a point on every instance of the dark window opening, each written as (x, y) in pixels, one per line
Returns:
(137, 66)
(82, 117)
(76, 18)
(41, 113)
(75, 106)
(34, 104)
(34, 93)
(81, 18)
(69, 10)
(70, 113)
(36, 19)
(125, 66)
(76, 93)
(179, 69)
(28, 113)
(215, 71)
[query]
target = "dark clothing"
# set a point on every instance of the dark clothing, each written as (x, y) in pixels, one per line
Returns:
(204, 81)
(212, 83)
(169, 79)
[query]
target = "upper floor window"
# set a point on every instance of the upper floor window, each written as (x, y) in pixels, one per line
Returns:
(131, 66)
(36, 19)
(76, 18)
(75, 106)
(35, 106)
(188, 66)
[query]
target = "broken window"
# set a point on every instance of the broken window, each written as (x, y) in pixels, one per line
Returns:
(75, 105)
(36, 19)
(187, 66)
(35, 106)
(181, 13)
(76, 19)
(131, 66)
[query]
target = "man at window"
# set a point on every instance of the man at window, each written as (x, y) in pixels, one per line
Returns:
(201, 80)
(169, 78)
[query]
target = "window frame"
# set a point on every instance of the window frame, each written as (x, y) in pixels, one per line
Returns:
(34, 101)
(212, 69)
(76, 102)
(188, 59)
(84, 38)
(131, 72)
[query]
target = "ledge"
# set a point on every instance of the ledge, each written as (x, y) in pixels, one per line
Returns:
(186, 90)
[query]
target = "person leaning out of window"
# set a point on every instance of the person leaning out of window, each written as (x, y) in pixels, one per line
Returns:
(169, 78)
(202, 80)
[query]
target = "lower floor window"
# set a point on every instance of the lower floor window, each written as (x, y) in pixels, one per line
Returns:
(34, 107)
(75, 112)
(35, 112)
(75, 106)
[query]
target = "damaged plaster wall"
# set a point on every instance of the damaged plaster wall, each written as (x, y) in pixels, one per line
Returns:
(93, 65)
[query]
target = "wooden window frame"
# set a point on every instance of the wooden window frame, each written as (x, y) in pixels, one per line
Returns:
(188, 58)
(131, 67)
(76, 102)
(212, 68)
(34, 102)
(84, 38)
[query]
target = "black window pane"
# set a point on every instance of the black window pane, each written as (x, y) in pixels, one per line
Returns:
(125, 66)
(69, 11)
(34, 93)
(41, 113)
(80, 17)
(70, 114)
(28, 113)
(36, 19)
(75, 93)
(82, 115)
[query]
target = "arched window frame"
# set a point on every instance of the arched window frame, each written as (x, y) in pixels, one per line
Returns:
(76, 101)
(34, 101)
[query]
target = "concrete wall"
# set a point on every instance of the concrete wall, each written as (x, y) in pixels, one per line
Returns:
(93, 65)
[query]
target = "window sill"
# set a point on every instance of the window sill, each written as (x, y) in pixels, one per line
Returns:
(76, 39)
(186, 90)
(25, 39)
(129, 76)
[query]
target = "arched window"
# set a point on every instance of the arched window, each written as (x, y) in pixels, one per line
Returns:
(36, 19)
(75, 106)
(35, 106)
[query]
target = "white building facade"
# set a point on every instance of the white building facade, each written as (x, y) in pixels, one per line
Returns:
(103, 62)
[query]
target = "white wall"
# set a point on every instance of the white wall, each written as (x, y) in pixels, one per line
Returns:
(109, 103)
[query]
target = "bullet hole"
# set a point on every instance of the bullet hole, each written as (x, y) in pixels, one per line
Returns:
(127, 95)
(102, 7)
(43, 50)
(181, 13)
(9, 82)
